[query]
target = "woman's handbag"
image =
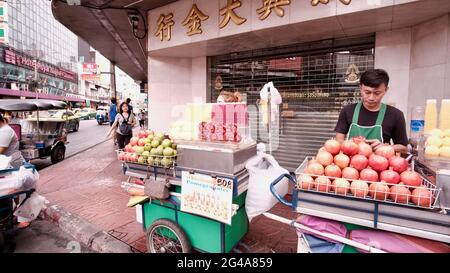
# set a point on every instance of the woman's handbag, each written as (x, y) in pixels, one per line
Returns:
(157, 189)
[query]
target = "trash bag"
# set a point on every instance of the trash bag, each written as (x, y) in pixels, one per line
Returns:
(263, 170)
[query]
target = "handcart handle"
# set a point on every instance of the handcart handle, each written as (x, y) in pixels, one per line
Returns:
(272, 188)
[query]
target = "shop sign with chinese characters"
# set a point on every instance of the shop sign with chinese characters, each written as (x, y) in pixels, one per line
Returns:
(227, 12)
(207, 196)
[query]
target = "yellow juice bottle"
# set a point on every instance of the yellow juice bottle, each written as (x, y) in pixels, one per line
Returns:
(444, 115)
(430, 116)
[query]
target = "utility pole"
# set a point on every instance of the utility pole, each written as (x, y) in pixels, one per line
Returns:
(113, 79)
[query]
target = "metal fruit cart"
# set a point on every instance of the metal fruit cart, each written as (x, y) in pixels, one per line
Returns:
(429, 221)
(170, 229)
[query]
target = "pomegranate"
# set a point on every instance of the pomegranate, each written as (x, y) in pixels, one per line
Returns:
(306, 182)
(341, 186)
(359, 162)
(359, 188)
(322, 149)
(349, 148)
(312, 161)
(323, 184)
(379, 190)
(315, 169)
(386, 151)
(378, 163)
(333, 171)
(141, 142)
(398, 164)
(341, 160)
(400, 194)
(411, 178)
(365, 149)
(358, 139)
(128, 148)
(134, 141)
(422, 197)
(368, 175)
(142, 134)
(332, 146)
(350, 173)
(324, 158)
(390, 176)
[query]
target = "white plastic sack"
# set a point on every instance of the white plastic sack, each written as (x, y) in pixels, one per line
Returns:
(27, 178)
(263, 170)
(31, 208)
(274, 94)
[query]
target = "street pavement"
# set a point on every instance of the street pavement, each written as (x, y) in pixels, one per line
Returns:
(88, 135)
(44, 237)
(88, 186)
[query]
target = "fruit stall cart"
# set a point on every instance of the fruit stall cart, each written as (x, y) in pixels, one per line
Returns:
(208, 181)
(415, 203)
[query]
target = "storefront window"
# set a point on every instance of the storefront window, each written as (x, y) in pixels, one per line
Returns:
(315, 81)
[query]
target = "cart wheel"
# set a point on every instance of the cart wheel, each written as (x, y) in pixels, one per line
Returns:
(58, 154)
(77, 126)
(166, 236)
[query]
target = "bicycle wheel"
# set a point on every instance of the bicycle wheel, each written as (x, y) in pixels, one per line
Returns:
(166, 236)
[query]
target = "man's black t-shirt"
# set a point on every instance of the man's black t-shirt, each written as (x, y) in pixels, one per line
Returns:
(394, 126)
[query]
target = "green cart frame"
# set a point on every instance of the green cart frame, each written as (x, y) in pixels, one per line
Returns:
(170, 230)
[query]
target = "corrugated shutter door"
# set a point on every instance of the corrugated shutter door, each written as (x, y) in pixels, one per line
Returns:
(315, 83)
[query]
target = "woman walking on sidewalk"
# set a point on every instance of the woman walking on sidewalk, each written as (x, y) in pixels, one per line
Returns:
(123, 125)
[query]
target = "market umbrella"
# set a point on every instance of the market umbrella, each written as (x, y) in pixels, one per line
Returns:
(31, 105)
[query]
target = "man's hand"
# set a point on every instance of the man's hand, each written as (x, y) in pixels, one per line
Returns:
(375, 143)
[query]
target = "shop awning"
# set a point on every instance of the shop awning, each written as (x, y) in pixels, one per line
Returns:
(109, 30)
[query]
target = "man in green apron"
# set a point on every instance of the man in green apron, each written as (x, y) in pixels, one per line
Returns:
(379, 123)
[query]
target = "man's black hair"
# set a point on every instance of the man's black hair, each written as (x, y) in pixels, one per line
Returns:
(113, 100)
(128, 100)
(374, 78)
(1, 117)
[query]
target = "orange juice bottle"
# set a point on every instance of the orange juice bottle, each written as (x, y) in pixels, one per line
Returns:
(444, 115)
(430, 116)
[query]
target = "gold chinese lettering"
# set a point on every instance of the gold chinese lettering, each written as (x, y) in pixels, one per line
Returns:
(165, 24)
(316, 2)
(268, 5)
(229, 13)
(194, 21)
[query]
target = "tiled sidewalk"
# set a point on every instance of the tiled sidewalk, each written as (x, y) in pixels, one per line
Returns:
(88, 185)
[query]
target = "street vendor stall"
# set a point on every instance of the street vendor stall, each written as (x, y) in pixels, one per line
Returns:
(409, 198)
(192, 190)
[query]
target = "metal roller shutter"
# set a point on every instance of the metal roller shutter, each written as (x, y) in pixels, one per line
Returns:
(311, 79)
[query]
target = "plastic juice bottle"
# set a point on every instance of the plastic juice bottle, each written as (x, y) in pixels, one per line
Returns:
(444, 115)
(417, 122)
(430, 116)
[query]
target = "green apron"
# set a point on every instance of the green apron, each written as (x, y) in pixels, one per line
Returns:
(369, 132)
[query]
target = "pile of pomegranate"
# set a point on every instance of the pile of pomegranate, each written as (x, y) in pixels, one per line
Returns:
(354, 168)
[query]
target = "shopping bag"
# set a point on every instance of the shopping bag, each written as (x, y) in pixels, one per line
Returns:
(263, 170)
(28, 178)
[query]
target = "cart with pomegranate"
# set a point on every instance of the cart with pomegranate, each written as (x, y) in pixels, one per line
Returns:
(377, 196)
(204, 206)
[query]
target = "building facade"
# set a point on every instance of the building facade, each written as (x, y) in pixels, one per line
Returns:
(34, 36)
(313, 52)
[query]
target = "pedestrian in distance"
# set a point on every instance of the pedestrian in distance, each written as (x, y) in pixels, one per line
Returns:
(112, 113)
(123, 125)
(141, 117)
(129, 105)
